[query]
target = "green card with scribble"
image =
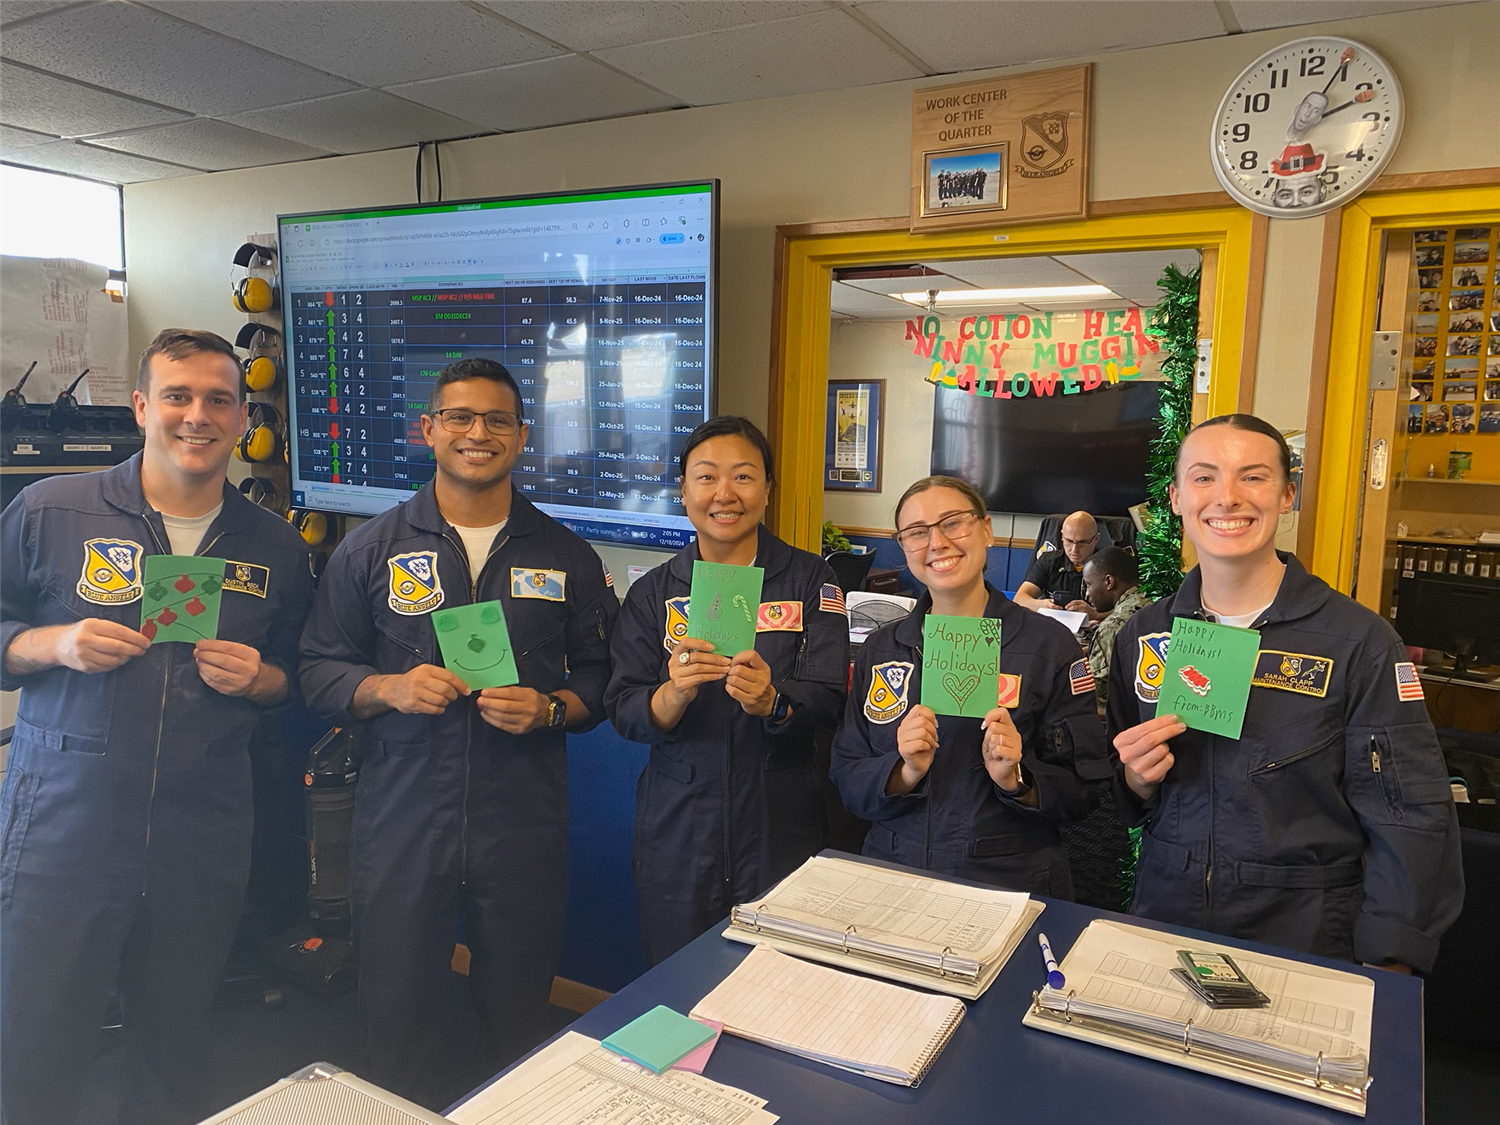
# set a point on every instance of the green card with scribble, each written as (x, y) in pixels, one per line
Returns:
(723, 604)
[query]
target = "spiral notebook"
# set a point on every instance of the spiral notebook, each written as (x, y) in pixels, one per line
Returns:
(912, 928)
(872, 1028)
(1312, 1042)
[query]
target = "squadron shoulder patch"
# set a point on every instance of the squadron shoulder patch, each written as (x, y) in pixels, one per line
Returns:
(779, 617)
(549, 585)
(246, 578)
(111, 571)
(677, 622)
(1292, 671)
(416, 586)
(1151, 665)
(886, 700)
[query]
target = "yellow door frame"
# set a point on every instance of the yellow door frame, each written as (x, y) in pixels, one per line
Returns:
(804, 274)
(1340, 476)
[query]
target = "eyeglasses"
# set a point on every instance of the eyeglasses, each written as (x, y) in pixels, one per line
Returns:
(953, 525)
(501, 423)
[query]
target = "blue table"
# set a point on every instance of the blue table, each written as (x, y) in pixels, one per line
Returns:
(994, 1069)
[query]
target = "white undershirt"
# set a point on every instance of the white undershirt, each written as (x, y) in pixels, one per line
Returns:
(1239, 620)
(477, 543)
(185, 533)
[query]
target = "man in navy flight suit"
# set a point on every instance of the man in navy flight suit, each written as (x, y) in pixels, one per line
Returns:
(462, 804)
(126, 810)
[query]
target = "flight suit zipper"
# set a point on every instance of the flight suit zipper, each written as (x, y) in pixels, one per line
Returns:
(471, 714)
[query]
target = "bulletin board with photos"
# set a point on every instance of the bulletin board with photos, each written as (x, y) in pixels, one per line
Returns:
(1455, 325)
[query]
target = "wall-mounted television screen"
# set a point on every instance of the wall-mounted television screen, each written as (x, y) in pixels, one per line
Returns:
(601, 304)
(1042, 455)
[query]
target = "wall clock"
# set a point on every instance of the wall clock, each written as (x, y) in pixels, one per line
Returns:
(1306, 127)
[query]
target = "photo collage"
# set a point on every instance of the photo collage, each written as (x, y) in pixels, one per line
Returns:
(1455, 374)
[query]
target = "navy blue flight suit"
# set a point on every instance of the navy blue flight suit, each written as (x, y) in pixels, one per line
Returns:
(729, 803)
(957, 821)
(1328, 827)
(126, 810)
(452, 814)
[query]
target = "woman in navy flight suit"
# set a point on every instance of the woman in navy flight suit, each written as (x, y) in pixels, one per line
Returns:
(1328, 825)
(980, 800)
(729, 802)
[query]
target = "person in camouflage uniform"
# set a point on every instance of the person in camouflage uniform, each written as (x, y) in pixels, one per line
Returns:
(1110, 584)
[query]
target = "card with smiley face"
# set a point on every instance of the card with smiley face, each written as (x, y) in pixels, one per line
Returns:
(476, 644)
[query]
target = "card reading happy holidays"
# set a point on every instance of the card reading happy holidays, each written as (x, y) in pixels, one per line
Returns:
(1207, 681)
(960, 664)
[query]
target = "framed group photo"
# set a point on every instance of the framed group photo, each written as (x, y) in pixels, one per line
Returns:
(855, 435)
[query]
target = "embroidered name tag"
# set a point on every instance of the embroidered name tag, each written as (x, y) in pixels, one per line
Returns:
(779, 617)
(1292, 671)
(246, 578)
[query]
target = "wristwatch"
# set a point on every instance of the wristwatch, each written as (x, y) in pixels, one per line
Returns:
(557, 711)
(781, 707)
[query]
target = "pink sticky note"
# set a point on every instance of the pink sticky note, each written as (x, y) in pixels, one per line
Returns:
(696, 1061)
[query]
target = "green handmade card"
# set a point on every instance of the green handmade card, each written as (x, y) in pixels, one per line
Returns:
(476, 645)
(181, 599)
(960, 664)
(1207, 681)
(722, 606)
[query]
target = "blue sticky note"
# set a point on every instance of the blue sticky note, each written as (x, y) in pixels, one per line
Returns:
(659, 1038)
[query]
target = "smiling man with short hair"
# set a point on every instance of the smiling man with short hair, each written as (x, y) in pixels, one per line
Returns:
(126, 810)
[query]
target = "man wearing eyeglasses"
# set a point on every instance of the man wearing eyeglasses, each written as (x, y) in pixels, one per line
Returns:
(1055, 578)
(462, 808)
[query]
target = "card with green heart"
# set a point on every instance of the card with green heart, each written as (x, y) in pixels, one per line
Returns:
(960, 664)
(1207, 679)
(181, 596)
(722, 605)
(476, 645)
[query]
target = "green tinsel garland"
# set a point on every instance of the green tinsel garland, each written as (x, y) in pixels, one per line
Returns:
(1159, 546)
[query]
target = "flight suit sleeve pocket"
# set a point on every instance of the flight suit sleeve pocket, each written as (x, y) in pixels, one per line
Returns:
(19, 794)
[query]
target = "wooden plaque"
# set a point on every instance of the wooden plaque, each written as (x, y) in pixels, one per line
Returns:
(1013, 149)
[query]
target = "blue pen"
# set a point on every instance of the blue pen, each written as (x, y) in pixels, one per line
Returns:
(1055, 979)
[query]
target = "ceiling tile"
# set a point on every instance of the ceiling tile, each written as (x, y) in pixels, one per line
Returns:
(143, 53)
(1011, 273)
(54, 105)
(13, 138)
(211, 145)
(359, 122)
(825, 50)
(1257, 15)
(535, 95)
(389, 41)
(975, 34)
(13, 10)
(590, 25)
(97, 163)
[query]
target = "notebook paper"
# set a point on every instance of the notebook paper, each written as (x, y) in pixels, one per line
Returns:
(864, 1025)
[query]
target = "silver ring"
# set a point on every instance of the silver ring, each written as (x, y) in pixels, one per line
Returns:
(683, 659)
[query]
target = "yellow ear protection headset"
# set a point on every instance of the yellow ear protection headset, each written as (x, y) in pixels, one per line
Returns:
(264, 492)
(252, 294)
(263, 369)
(263, 440)
(312, 526)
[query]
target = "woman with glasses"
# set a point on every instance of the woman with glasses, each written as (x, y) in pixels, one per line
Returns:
(978, 799)
(729, 803)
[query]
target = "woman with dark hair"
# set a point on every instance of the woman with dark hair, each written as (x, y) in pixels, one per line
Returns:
(980, 800)
(729, 803)
(1328, 825)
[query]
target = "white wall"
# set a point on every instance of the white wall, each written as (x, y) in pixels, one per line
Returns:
(844, 155)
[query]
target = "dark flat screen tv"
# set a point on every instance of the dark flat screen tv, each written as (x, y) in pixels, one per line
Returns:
(1051, 454)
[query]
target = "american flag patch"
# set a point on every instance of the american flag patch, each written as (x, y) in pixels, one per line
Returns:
(1079, 677)
(831, 599)
(1408, 685)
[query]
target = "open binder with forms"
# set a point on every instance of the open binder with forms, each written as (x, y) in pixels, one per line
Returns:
(1312, 1043)
(936, 934)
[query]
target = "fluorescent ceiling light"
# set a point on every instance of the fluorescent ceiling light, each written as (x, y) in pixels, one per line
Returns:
(978, 296)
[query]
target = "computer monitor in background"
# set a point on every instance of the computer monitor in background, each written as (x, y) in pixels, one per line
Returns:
(1458, 615)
